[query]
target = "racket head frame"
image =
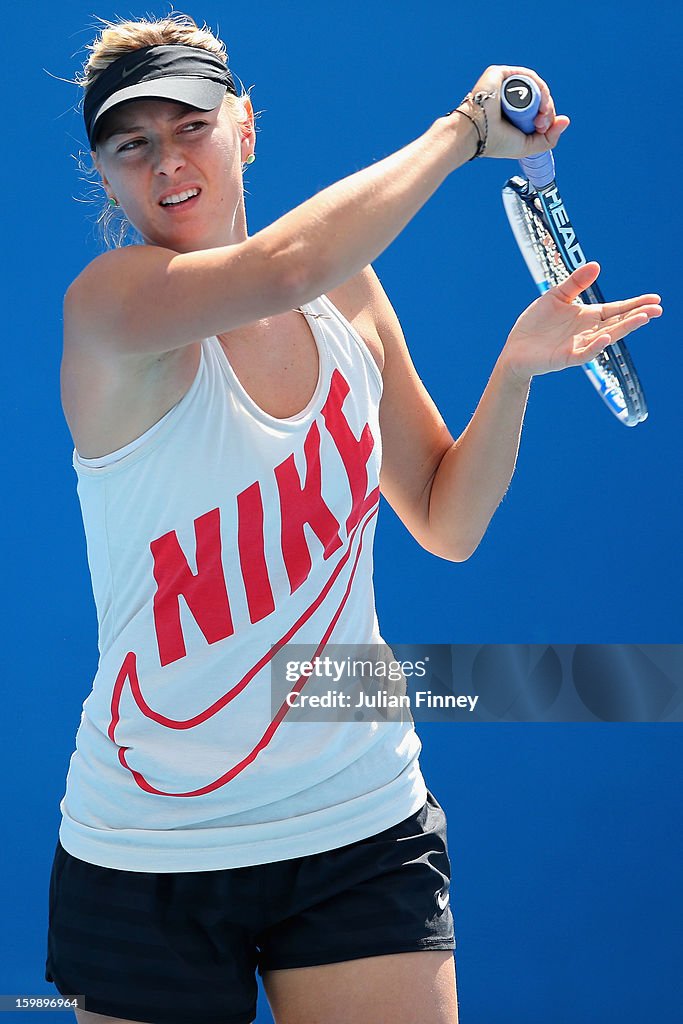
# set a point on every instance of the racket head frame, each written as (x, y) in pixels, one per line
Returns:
(551, 252)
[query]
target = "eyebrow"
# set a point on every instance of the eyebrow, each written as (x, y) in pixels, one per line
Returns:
(128, 129)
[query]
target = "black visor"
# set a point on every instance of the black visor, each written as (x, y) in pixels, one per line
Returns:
(186, 74)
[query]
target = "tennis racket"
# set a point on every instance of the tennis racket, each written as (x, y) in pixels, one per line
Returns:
(551, 249)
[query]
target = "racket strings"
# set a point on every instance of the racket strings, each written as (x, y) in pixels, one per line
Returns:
(555, 272)
(610, 371)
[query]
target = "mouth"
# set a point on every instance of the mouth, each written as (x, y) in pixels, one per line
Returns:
(181, 201)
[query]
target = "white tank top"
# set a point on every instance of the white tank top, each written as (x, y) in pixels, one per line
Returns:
(221, 532)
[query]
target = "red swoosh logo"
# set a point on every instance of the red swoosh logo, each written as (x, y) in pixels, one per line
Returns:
(128, 672)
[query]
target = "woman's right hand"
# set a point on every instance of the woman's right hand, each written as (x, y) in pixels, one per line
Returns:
(503, 140)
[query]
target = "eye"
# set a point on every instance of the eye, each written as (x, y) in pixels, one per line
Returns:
(192, 128)
(127, 145)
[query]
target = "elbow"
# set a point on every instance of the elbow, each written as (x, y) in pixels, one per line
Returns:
(291, 274)
(453, 554)
(309, 272)
(461, 555)
(452, 549)
(295, 284)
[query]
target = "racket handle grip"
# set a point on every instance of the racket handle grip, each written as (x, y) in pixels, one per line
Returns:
(519, 101)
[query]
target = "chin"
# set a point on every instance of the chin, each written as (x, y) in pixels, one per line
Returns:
(185, 240)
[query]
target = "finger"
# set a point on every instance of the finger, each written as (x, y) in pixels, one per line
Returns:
(560, 124)
(545, 116)
(625, 305)
(651, 311)
(615, 333)
(577, 282)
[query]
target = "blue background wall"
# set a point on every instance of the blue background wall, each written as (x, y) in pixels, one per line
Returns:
(565, 839)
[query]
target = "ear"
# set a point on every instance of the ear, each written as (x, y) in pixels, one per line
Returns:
(247, 130)
(98, 167)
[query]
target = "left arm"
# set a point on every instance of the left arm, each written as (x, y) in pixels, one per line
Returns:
(475, 472)
(446, 491)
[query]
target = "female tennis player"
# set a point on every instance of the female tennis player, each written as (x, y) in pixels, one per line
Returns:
(237, 404)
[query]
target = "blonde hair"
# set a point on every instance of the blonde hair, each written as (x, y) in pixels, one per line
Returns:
(123, 36)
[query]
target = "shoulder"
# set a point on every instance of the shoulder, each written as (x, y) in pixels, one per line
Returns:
(110, 273)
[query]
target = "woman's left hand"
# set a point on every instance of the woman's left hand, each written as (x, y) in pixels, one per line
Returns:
(555, 332)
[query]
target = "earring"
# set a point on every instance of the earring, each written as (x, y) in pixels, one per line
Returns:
(250, 159)
(113, 201)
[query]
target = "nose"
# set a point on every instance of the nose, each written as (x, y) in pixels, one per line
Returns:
(169, 157)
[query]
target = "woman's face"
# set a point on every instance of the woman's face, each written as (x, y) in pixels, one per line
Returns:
(149, 150)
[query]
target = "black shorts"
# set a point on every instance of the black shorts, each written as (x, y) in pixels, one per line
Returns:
(183, 947)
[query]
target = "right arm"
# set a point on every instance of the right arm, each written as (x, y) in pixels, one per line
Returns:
(147, 299)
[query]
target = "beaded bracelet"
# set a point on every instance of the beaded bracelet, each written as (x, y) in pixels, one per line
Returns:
(478, 98)
(481, 143)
